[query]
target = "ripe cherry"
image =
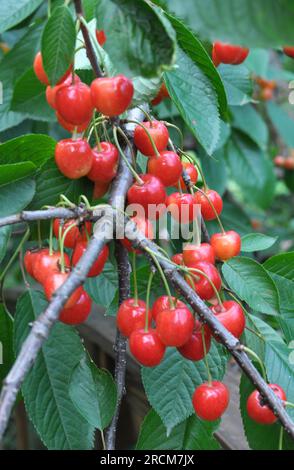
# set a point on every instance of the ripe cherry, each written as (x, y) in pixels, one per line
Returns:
(289, 51)
(161, 95)
(175, 325)
(228, 53)
(146, 347)
(79, 312)
(157, 131)
(29, 260)
(258, 410)
(131, 316)
(177, 258)
(202, 285)
(104, 164)
(194, 253)
(73, 157)
(289, 163)
(40, 72)
(226, 245)
(54, 281)
(210, 400)
(150, 193)
(144, 226)
(206, 208)
(101, 37)
(74, 103)
(44, 264)
(231, 316)
(100, 189)
(71, 127)
(74, 234)
(163, 303)
(98, 265)
(167, 167)
(112, 96)
(191, 172)
(181, 207)
(193, 349)
(51, 91)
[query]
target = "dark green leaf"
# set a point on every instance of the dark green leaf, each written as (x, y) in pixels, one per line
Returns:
(215, 171)
(233, 218)
(14, 11)
(6, 343)
(237, 84)
(282, 121)
(257, 242)
(5, 233)
(35, 148)
(15, 197)
(249, 121)
(102, 288)
(15, 171)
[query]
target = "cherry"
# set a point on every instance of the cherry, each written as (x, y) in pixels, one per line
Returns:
(79, 312)
(191, 172)
(98, 265)
(194, 253)
(105, 162)
(40, 72)
(226, 245)
(157, 131)
(73, 157)
(51, 91)
(101, 37)
(182, 207)
(167, 167)
(175, 325)
(193, 349)
(206, 209)
(177, 258)
(131, 316)
(146, 347)
(228, 53)
(210, 400)
(29, 260)
(202, 286)
(263, 83)
(289, 51)
(74, 103)
(74, 234)
(151, 192)
(161, 95)
(289, 163)
(144, 226)
(44, 264)
(71, 127)
(163, 303)
(258, 410)
(231, 316)
(112, 96)
(266, 94)
(55, 280)
(100, 189)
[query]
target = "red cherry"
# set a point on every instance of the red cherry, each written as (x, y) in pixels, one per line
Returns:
(146, 347)
(226, 245)
(44, 264)
(71, 127)
(258, 410)
(202, 286)
(175, 326)
(55, 280)
(191, 172)
(193, 349)
(98, 265)
(161, 95)
(231, 316)
(73, 157)
(182, 207)
(159, 134)
(210, 401)
(167, 167)
(131, 316)
(162, 303)
(151, 192)
(215, 58)
(229, 54)
(289, 51)
(266, 94)
(40, 72)
(177, 258)
(144, 226)
(279, 160)
(289, 163)
(206, 209)
(112, 96)
(74, 234)
(51, 91)
(105, 162)
(79, 312)
(74, 103)
(29, 260)
(100, 189)
(101, 37)
(194, 253)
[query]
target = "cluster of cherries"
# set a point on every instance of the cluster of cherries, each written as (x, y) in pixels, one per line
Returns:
(285, 162)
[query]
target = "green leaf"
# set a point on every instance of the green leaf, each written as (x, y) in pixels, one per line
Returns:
(35, 148)
(192, 434)
(170, 386)
(15, 197)
(102, 288)
(93, 392)
(58, 43)
(249, 121)
(282, 120)
(15, 171)
(145, 89)
(233, 218)
(140, 41)
(6, 343)
(251, 282)
(215, 170)
(257, 241)
(5, 233)
(237, 84)
(14, 11)
(45, 388)
(267, 333)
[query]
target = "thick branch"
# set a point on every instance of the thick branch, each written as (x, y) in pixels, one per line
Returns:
(46, 214)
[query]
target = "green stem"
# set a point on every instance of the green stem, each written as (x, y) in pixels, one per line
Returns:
(255, 356)
(148, 301)
(51, 238)
(281, 435)
(61, 242)
(147, 115)
(209, 377)
(15, 254)
(96, 134)
(164, 280)
(198, 271)
(288, 403)
(191, 160)
(168, 124)
(134, 257)
(134, 163)
(213, 208)
(134, 121)
(134, 173)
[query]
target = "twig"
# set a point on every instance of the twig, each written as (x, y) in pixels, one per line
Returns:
(46, 214)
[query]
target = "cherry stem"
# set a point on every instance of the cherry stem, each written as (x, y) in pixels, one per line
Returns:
(198, 166)
(213, 208)
(288, 403)
(125, 159)
(170, 142)
(134, 266)
(134, 121)
(281, 435)
(66, 201)
(168, 124)
(134, 163)
(22, 269)
(96, 134)
(15, 254)
(61, 243)
(93, 40)
(146, 114)
(164, 280)
(84, 199)
(148, 300)
(51, 238)
(255, 356)
(209, 377)
(198, 271)
(255, 333)
(103, 440)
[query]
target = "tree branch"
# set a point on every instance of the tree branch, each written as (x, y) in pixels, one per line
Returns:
(46, 214)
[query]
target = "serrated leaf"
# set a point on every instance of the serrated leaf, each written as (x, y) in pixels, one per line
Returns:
(249, 121)
(15, 197)
(215, 170)
(258, 333)
(256, 242)
(5, 233)
(35, 148)
(145, 89)
(45, 388)
(93, 392)
(251, 282)
(6, 343)
(282, 120)
(102, 288)
(14, 11)
(58, 43)
(237, 84)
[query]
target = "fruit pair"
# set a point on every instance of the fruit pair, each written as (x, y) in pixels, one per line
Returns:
(182, 206)
(284, 162)
(228, 54)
